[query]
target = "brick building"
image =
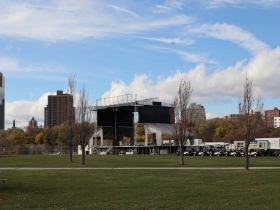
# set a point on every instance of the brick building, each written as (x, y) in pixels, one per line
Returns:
(269, 117)
(33, 123)
(59, 109)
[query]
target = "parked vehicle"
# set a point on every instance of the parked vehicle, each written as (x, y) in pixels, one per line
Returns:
(218, 153)
(277, 153)
(268, 152)
(186, 153)
(204, 153)
(235, 153)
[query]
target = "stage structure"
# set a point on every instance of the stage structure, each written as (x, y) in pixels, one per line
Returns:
(117, 118)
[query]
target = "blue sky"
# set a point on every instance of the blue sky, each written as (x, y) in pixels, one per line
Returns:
(138, 47)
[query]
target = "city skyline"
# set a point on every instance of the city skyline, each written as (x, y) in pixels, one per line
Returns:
(143, 48)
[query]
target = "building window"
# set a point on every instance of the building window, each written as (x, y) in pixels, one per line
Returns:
(240, 144)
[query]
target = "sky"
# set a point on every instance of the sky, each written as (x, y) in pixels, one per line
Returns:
(119, 47)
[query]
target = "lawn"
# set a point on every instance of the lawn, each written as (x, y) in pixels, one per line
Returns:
(141, 189)
(133, 161)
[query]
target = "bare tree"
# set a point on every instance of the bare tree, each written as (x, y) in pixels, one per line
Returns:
(248, 121)
(179, 115)
(84, 126)
(68, 125)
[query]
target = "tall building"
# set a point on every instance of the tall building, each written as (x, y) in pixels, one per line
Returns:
(232, 117)
(58, 109)
(269, 117)
(33, 123)
(2, 101)
(196, 112)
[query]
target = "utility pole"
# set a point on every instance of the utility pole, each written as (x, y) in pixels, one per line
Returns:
(135, 121)
(95, 126)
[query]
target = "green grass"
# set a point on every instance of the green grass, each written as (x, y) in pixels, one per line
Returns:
(141, 189)
(133, 161)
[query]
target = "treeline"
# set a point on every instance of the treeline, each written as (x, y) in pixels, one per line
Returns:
(38, 135)
(217, 130)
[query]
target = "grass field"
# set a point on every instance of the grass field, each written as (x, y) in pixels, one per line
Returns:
(139, 189)
(133, 161)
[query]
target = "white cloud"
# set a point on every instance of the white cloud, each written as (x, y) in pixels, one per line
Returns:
(31, 109)
(169, 40)
(231, 33)
(123, 10)
(211, 116)
(23, 111)
(51, 21)
(222, 83)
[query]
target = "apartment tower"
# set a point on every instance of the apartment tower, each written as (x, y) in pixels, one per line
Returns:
(196, 112)
(59, 109)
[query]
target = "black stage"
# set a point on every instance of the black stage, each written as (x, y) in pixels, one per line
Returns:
(117, 121)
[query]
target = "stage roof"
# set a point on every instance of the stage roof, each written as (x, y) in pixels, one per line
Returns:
(129, 104)
(165, 129)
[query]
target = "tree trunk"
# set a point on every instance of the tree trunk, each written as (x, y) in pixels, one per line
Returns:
(83, 155)
(246, 168)
(70, 151)
(181, 153)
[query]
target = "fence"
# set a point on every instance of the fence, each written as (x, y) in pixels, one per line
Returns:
(36, 150)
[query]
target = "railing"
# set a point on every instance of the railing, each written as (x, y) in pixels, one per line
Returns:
(122, 99)
(36, 150)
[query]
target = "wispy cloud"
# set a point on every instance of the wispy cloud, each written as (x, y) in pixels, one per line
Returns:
(13, 68)
(169, 6)
(168, 40)
(212, 4)
(7, 64)
(12, 65)
(123, 10)
(51, 21)
(231, 33)
(191, 57)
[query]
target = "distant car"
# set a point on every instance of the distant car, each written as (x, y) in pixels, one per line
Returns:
(195, 153)
(256, 153)
(268, 152)
(203, 153)
(277, 153)
(188, 153)
(225, 153)
(217, 153)
(235, 153)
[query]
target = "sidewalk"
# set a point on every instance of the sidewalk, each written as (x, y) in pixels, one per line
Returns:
(143, 168)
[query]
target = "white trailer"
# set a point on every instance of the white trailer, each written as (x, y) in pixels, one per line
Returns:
(273, 143)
